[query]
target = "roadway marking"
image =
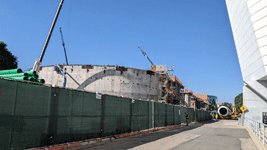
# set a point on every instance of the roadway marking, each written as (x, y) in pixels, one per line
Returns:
(167, 142)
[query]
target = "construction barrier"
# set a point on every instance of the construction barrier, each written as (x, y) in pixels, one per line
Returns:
(159, 114)
(177, 114)
(191, 114)
(36, 115)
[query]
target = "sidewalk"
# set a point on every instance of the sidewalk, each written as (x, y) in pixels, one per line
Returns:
(256, 139)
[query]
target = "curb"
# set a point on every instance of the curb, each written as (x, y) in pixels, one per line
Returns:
(97, 140)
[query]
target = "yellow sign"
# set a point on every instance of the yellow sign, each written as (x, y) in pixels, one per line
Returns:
(243, 108)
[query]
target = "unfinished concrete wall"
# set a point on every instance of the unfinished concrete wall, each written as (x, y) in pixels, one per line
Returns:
(112, 80)
(187, 99)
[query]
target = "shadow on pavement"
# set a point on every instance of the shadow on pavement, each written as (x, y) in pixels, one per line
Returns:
(133, 141)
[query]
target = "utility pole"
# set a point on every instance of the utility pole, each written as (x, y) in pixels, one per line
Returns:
(64, 46)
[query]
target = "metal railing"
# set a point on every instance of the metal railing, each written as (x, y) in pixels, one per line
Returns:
(259, 129)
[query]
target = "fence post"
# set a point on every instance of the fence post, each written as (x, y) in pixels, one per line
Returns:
(166, 116)
(254, 127)
(54, 106)
(195, 115)
(131, 113)
(173, 112)
(102, 122)
(153, 112)
(259, 130)
(255, 123)
(263, 135)
(13, 116)
(258, 126)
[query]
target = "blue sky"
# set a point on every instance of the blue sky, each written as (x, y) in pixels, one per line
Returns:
(194, 35)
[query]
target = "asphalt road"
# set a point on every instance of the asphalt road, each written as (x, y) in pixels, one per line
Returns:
(221, 135)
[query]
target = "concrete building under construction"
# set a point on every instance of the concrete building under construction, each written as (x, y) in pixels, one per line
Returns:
(152, 85)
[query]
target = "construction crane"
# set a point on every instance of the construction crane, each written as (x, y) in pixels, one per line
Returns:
(64, 46)
(38, 62)
(145, 55)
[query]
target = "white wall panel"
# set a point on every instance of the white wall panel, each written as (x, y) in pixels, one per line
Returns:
(257, 7)
(248, 20)
(263, 51)
(250, 3)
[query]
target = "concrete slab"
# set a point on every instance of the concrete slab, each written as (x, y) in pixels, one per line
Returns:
(220, 135)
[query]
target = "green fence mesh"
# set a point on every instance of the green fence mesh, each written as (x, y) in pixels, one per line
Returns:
(170, 115)
(177, 114)
(198, 115)
(205, 115)
(191, 114)
(150, 115)
(201, 115)
(62, 99)
(7, 101)
(90, 109)
(140, 115)
(182, 117)
(35, 115)
(117, 115)
(31, 115)
(160, 114)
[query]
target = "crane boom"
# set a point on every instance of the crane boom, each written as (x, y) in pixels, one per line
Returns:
(64, 46)
(38, 62)
(145, 55)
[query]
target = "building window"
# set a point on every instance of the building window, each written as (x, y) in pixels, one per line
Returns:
(264, 117)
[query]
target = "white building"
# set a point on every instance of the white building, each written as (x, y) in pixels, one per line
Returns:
(248, 20)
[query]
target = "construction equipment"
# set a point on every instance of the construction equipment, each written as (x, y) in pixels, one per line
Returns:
(38, 62)
(63, 44)
(57, 68)
(145, 55)
(224, 112)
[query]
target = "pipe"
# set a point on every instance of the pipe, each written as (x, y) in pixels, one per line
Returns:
(36, 76)
(17, 78)
(31, 79)
(41, 81)
(30, 73)
(15, 75)
(11, 71)
(224, 111)
(57, 68)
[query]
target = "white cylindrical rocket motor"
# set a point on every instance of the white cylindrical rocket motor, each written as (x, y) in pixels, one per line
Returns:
(224, 111)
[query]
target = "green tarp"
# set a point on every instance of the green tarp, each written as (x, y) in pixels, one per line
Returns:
(36, 115)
